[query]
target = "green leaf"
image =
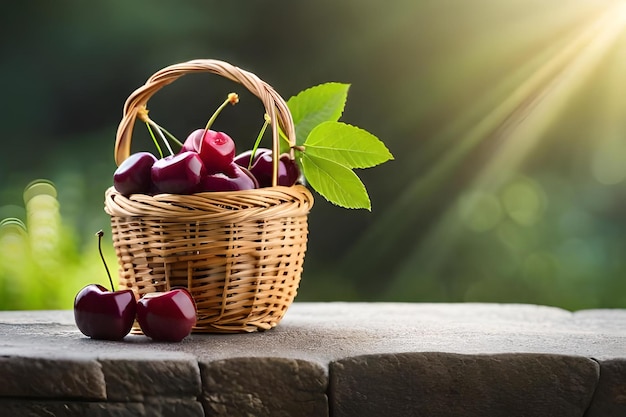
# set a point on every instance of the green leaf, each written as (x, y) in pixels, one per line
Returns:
(335, 182)
(322, 103)
(347, 145)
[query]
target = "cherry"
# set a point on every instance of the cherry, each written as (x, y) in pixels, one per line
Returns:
(216, 149)
(262, 167)
(103, 314)
(178, 174)
(243, 159)
(167, 316)
(291, 171)
(133, 175)
(235, 178)
(193, 141)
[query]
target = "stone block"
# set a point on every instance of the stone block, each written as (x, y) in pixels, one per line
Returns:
(610, 396)
(447, 385)
(134, 380)
(259, 387)
(38, 408)
(173, 407)
(51, 378)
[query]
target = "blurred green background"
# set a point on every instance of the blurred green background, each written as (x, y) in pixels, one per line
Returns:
(507, 120)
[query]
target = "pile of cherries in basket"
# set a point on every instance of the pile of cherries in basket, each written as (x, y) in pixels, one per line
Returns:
(206, 162)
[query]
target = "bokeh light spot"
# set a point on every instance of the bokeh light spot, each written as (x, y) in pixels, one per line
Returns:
(480, 211)
(608, 164)
(541, 267)
(524, 201)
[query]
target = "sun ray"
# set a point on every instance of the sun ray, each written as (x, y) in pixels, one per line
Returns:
(511, 116)
(540, 101)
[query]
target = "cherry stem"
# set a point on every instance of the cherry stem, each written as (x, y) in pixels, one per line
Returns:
(156, 142)
(233, 99)
(100, 234)
(258, 140)
(142, 114)
(169, 135)
(160, 132)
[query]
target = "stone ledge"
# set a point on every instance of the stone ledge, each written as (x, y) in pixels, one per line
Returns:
(151, 408)
(469, 385)
(340, 359)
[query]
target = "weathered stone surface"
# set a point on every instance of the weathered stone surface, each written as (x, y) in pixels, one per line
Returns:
(173, 408)
(261, 387)
(610, 396)
(323, 332)
(447, 385)
(36, 343)
(22, 376)
(135, 380)
(38, 408)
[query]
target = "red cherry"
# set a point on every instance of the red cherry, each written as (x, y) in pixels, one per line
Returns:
(193, 141)
(262, 168)
(103, 314)
(216, 149)
(167, 316)
(178, 174)
(235, 178)
(133, 175)
(243, 159)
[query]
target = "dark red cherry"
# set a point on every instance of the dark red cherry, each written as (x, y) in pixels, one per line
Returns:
(103, 314)
(193, 141)
(167, 316)
(243, 159)
(178, 174)
(133, 176)
(262, 167)
(236, 178)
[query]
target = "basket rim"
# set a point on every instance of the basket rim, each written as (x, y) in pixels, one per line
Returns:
(262, 203)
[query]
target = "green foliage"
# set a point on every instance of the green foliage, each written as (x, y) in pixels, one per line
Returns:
(41, 264)
(466, 114)
(328, 150)
(316, 105)
(347, 145)
(336, 182)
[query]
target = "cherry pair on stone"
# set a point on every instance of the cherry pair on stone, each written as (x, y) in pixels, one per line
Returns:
(109, 315)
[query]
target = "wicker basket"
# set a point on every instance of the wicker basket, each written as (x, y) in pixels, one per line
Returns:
(239, 253)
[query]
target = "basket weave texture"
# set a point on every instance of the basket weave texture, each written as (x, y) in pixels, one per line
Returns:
(239, 253)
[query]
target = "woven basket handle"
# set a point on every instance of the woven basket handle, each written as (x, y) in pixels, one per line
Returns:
(275, 106)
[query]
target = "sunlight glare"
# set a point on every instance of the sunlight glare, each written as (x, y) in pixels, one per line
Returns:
(519, 124)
